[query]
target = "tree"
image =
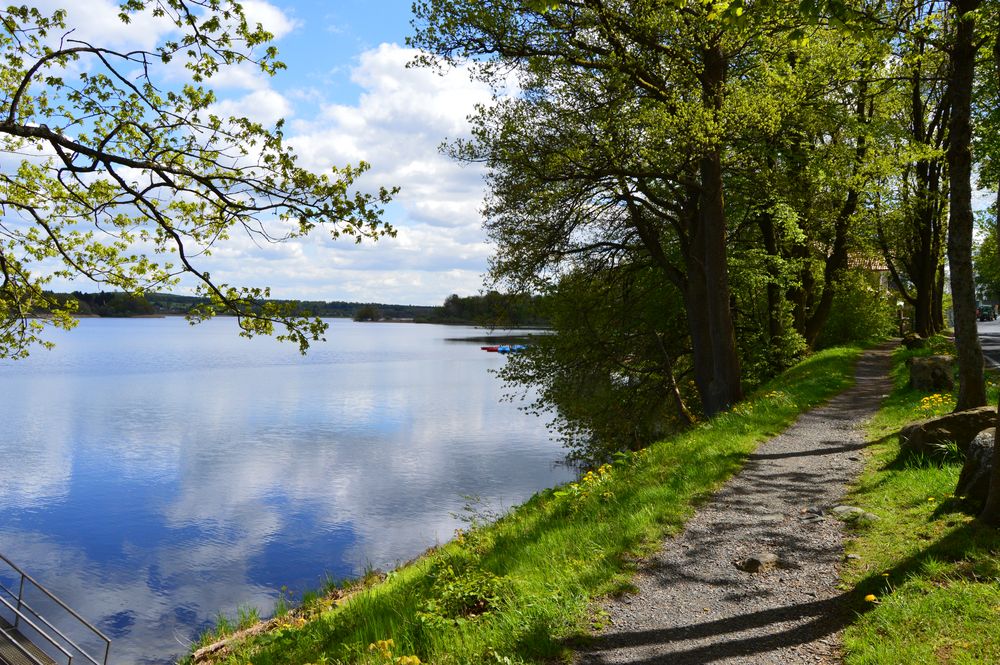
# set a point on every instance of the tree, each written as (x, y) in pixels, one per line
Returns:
(125, 182)
(991, 144)
(609, 371)
(670, 58)
(632, 120)
(911, 232)
(972, 386)
(368, 313)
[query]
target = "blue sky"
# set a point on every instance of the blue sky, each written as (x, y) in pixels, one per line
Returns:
(330, 36)
(346, 96)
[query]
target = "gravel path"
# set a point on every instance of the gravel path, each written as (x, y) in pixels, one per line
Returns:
(696, 606)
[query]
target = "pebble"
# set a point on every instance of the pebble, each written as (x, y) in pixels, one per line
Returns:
(757, 563)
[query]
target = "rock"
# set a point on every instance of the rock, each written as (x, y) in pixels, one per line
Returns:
(927, 436)
(974, 481)
(853, 514)
(843, 512)
(932, 373)
(914, 341)
(757, 563)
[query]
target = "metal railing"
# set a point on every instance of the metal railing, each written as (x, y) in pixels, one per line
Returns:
(27, 622)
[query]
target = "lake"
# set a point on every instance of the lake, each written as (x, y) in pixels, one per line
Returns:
(155, 474)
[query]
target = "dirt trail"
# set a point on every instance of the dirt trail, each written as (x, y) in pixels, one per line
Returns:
(696, 606)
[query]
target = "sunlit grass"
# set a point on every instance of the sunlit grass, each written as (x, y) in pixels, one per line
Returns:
(521, 590)
(934, 570)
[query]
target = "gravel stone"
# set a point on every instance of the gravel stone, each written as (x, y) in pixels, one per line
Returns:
(695, 606)
(758, 562)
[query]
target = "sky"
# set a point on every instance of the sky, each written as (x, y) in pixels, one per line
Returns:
(348, 96)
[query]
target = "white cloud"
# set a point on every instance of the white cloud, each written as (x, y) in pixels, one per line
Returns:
(264, 106)
(270, 17)
(97, 21)
(397, 126)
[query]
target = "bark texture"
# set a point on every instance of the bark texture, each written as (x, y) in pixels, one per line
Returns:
(991, 509)
(720, 388)
(972, 388)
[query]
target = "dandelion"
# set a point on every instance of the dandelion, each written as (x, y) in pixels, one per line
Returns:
(384, 647)
(871, 598)
(408, 660)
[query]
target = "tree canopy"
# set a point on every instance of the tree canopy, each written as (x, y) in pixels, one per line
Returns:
(114, 174)
(779, 174)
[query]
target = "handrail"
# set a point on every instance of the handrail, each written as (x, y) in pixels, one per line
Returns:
(21, 603)
(17, 645)
(38, 630)
(49, 624)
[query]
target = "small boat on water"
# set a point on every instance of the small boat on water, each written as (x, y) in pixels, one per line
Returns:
(504, 348)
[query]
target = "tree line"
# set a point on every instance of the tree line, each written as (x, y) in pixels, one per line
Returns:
(121, 304)
(492, 309)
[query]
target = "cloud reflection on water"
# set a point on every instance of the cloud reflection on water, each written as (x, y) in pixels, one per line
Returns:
(152, 493)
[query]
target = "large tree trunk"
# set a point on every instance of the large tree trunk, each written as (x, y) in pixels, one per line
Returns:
(709, 249)
(971, 388)
(991, 511)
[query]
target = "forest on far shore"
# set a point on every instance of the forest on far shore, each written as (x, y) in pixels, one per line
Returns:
(491, 309)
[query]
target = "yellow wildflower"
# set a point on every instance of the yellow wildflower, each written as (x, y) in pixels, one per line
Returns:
(408, 660)
(871, 598)
(384, 647)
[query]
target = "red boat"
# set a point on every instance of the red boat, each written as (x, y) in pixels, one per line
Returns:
(492, 349)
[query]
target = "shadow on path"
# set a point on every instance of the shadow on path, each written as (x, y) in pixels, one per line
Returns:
(826, 618)
(696, 605)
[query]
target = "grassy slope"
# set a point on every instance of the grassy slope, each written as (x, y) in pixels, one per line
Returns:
(935, 573)
(536, 571)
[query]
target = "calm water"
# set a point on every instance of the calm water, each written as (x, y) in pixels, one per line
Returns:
(154, 474)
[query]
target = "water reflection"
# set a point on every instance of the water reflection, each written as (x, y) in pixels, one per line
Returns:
(158, 474)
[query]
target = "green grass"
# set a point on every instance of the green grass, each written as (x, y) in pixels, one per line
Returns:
(934, 571)
(521, 590)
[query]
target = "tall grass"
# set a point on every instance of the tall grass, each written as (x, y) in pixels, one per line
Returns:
(520, 590)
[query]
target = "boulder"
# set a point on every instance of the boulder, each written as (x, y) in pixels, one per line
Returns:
(914, 341)
(931, 374)
(974, 481)
(928, 436)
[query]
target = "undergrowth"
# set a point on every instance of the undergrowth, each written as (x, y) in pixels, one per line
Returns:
(520, 590)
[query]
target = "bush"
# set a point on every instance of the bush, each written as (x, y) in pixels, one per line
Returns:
(862, 311)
